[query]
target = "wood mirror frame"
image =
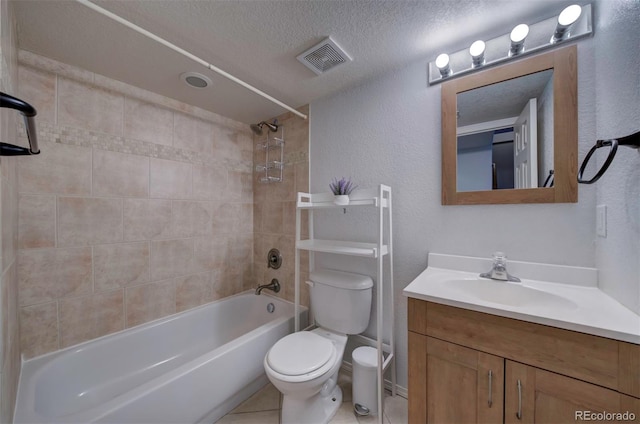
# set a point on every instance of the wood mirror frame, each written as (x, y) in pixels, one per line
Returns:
(565, 130)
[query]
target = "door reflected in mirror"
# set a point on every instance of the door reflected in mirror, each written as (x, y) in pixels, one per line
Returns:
(505, 134)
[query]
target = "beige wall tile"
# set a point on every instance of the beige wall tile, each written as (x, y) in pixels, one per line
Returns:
(38, 88)
(49, 274)
(58, 169)
(36, 221)
(209, 183)
(171, 179)
(211, 253)
(85, 220)
(171, 258)
(258, 208)
(86, 106)
(193, 290)
(39, 329)
(272, 217)
(120, 265)
(9, 210)
(193, 134)
(302, 177)
(119, 174)
(87, 317)
(226, 218)
(241, 252)
(239, 186)
(222, 286)
(10, 311)
(149, 301)
(147, 122)
(146, 219)
(191, 218)
(46, 64)
(228, 143)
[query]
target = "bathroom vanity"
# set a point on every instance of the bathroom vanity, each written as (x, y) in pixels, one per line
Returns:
(515, 361)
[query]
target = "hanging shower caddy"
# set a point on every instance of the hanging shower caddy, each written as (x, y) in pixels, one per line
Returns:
(271, 171)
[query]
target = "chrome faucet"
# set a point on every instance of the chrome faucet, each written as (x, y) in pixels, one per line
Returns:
(274, 285)
(499, 269)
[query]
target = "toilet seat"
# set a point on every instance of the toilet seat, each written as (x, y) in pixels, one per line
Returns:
(300, 354)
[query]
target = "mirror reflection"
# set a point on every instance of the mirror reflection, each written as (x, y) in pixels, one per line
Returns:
(505, 134)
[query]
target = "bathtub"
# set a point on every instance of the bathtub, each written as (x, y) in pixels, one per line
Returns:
(191, 367)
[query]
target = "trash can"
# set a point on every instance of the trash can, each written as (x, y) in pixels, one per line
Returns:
(364, 384)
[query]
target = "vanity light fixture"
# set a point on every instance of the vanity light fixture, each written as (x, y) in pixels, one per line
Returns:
(573, 22)
(477, 53)
(442, 63)
(566, 19)
(517, 37)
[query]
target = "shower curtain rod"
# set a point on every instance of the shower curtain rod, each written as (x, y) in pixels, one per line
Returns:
(185, 53)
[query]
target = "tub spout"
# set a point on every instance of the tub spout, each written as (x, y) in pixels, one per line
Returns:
(274, 285)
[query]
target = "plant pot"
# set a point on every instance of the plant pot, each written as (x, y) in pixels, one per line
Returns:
(341, 199)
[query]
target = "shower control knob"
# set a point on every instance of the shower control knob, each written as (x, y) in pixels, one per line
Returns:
(274, 259)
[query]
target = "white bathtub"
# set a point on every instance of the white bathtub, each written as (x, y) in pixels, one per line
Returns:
(191, 367)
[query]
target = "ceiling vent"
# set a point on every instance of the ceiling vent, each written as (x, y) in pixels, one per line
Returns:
(324, 56)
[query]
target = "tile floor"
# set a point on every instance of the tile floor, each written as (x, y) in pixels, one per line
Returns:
(264, 408)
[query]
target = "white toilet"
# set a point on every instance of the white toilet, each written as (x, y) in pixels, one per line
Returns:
(304, 366)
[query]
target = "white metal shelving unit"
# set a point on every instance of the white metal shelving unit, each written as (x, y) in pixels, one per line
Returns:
(379, 198)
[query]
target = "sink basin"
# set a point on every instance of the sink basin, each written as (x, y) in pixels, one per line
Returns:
(509, 294)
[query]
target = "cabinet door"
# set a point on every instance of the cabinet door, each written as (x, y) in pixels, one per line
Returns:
(537, 396)
(461, 385)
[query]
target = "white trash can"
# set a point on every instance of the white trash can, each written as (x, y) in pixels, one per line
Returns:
(364, 384)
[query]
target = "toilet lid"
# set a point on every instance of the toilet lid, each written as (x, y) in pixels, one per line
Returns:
(300, 353)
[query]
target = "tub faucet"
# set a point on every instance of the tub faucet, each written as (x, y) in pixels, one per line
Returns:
(499, 269)
(274, 285)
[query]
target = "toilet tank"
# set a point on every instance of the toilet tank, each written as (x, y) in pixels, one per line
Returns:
(341, 301)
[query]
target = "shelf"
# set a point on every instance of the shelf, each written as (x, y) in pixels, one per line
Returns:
(366, 250)
(368, 197)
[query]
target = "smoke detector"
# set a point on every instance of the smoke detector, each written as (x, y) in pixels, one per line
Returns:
(324, 56)
(194, 79)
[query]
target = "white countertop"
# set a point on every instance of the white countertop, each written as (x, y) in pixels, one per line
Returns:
(583, 308)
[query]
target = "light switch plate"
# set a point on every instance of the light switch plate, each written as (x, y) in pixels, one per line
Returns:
(601, 220)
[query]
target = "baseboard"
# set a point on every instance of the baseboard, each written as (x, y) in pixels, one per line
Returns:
(400, 391)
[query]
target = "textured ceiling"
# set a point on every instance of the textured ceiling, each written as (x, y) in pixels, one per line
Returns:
(502, 100)
(258, 40)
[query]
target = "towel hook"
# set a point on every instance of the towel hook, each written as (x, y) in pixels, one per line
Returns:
(29, 113)
(632, 141)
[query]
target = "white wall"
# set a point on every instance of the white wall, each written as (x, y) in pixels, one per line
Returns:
(618, 114)
(388, 131)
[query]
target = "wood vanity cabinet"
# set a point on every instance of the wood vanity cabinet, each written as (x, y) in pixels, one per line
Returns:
(472, 367)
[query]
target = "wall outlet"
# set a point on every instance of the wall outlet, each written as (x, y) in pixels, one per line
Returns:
(601, 220)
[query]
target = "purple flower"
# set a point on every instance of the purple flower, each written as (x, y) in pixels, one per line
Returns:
(342, 186)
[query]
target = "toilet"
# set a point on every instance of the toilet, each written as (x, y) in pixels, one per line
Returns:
(304, 365)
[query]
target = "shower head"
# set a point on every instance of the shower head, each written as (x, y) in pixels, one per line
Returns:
(257, 128)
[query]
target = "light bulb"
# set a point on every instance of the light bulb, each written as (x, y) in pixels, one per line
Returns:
(477, 53)
(442, 63)
(518, 35)
(569, 15)
(566, 19)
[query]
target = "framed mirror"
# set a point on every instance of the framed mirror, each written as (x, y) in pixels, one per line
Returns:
(510, 133)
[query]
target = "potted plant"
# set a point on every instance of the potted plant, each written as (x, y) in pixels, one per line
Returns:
(341, 190)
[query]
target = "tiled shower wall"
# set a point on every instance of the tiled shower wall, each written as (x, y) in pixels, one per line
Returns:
(138, 207)
(274, 208)
(9, 330)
